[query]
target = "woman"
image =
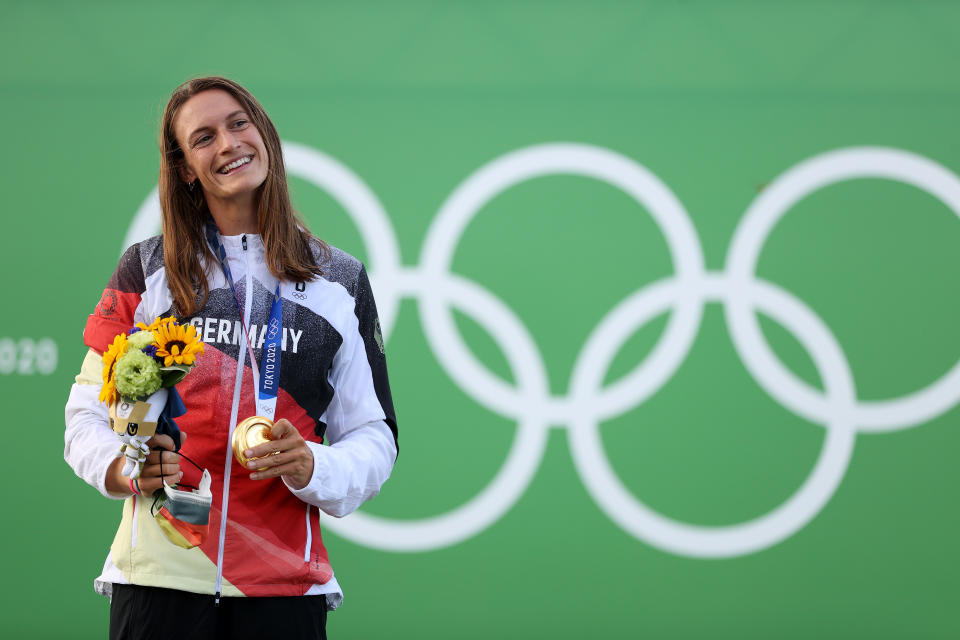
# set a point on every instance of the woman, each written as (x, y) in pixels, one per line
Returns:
(234, 261)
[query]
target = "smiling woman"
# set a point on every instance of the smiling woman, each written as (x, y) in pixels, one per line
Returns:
(210, 125)
(224, 152)
(232, 254)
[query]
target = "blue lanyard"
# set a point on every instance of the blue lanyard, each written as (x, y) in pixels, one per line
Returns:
(267, 379)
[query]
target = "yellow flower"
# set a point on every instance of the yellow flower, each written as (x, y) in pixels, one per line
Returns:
(177, 344)
(156, 324)
(110, 356)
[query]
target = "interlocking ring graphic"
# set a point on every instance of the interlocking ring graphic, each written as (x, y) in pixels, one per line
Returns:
(531, 404)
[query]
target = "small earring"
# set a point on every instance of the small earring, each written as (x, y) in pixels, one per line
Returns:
(190, 185)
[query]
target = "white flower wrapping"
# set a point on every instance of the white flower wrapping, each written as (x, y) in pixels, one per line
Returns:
(135, 421)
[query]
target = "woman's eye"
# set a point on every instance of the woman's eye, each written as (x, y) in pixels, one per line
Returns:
(239, 124)
(201, 140)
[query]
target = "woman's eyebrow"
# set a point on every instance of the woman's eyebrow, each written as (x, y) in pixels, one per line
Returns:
(207, 127)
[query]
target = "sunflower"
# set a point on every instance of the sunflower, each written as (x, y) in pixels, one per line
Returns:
(177, 344)
(110, 356)
(156, 324)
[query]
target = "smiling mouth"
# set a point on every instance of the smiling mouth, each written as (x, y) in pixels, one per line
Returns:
(235, 165)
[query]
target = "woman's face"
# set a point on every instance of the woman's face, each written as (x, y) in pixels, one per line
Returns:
(221, 146)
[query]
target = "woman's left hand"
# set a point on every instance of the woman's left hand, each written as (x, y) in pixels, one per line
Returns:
(293, 459)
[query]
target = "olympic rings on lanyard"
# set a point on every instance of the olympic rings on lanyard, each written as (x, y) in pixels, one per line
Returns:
(588, 403)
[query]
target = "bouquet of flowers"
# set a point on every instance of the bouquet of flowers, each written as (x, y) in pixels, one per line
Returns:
(140, 370)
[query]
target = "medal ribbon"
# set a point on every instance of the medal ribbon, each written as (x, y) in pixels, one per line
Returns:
(267, 384)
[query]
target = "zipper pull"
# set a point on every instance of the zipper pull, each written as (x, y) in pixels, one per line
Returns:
(243, 240)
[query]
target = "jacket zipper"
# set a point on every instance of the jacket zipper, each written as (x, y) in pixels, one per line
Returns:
(234, 410)
(306, 550)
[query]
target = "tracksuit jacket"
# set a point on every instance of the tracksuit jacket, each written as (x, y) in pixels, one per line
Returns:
(264, 537)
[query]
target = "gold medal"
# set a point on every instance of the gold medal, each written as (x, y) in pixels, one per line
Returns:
(248, 434)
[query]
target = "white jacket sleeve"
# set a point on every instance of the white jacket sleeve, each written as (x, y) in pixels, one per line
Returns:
(351, 470)
(361, 426)
(90, 445)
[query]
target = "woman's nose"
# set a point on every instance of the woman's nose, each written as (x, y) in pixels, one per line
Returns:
(228, 141)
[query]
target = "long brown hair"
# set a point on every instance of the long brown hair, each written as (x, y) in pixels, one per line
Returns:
(285, 237)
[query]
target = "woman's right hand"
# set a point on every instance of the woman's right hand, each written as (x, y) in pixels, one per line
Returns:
(162, 462)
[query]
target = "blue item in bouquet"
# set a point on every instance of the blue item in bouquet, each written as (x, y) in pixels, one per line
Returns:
(166, 424)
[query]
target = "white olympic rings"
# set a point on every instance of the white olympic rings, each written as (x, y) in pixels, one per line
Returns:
(530, 402)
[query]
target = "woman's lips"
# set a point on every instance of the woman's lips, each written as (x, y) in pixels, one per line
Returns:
(236, 165)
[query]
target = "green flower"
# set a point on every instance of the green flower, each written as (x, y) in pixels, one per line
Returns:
(140, 339)
(136, 374)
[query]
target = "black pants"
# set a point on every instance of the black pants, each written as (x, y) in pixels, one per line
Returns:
(145, 613)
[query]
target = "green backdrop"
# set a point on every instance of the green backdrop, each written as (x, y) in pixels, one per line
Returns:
(718, 101)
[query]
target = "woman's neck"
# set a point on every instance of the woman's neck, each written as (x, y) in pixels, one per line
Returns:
(234, 217)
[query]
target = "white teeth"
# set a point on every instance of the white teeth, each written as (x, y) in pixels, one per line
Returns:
(234, 165)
